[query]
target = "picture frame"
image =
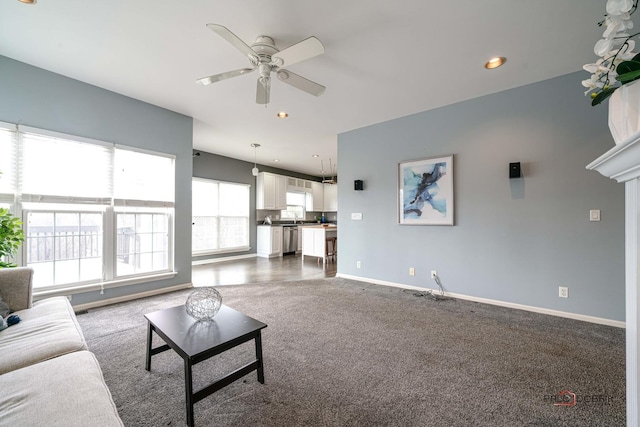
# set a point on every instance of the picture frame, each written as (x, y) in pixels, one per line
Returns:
(425, 191)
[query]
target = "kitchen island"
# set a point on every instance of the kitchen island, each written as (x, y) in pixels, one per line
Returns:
(314, 240)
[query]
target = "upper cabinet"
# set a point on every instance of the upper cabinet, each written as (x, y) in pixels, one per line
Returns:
(298, 185)
(330, 197)
(315, 199)
(271, 191)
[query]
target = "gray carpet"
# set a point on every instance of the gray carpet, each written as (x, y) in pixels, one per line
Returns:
(345, 353)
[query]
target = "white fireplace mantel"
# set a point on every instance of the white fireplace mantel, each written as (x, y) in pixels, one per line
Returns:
(622, 163)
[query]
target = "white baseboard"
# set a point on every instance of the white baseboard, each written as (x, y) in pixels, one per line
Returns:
(222, 259)
(101, 303)
(582, 317)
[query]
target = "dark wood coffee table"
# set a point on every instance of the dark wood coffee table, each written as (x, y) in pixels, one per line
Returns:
(197, 341)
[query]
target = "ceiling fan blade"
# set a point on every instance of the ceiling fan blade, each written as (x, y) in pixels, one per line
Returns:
(222, 76)
(300, 82)
(236, 41)
(263, 90)
(307, 48)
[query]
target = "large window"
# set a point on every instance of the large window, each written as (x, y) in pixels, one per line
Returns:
(220, 217)
(93, 212)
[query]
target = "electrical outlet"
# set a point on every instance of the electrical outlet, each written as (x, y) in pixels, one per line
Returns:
(434, 274)
(412, 271)
(358, 264)
(563, 292)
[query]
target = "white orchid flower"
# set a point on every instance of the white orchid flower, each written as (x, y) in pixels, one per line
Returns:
(631, 44)
(628, 52)
(589, 84)
(614, 48)
(618, 7)
(603, 46)
(601, 66)
(616, 24)
(592, 84)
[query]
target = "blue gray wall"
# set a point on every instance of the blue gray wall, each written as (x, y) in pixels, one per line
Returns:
(36, 97)
(515, 241)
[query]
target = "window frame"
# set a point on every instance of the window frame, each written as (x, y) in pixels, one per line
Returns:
(22, 205)
(211, 251)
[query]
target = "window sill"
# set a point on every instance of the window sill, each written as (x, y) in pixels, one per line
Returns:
(221, 252)
(79, 289)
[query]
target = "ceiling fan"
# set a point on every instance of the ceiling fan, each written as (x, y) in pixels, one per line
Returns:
(265, 57)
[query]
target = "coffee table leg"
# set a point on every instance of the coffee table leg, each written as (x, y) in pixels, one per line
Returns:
(259, 357)
(188, 387)
(147, 365)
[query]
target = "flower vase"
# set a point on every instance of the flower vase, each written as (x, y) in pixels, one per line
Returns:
(624, 112)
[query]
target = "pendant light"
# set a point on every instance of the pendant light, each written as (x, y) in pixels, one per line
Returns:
(255, 170)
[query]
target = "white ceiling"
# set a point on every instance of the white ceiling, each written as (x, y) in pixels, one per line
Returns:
(382, 60)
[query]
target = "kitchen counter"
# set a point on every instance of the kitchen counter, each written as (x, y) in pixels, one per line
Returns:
(314, 240)
(297, 224)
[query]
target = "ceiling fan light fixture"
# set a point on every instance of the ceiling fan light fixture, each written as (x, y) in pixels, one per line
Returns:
(28, 1)
(266, 58)
(254, 170)
(495, 62)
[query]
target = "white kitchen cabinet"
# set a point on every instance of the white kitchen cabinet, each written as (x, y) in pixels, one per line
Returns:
(313, 241)
(315, 199)
(298, 185)
(269, 241)
(330, 198)
(299, 248)
(271, 191)
(281, 192)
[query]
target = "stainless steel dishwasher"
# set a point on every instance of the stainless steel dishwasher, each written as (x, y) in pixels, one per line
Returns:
(289, 239)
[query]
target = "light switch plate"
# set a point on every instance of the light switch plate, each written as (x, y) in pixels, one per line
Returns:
(356, 216)
(594, 215)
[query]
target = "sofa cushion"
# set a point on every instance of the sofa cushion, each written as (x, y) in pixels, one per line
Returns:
(46, 330)
(66, 391)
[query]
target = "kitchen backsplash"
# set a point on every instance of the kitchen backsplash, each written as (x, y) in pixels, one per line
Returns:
(309, 216)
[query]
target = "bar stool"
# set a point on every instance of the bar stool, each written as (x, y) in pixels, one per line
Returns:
(331, 248)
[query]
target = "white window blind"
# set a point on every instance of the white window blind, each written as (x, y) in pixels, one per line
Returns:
(7, 163)
(57, 167)
(141, 176)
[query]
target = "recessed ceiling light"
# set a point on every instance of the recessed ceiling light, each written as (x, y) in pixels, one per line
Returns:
(315, 156)
(276, 160)
(495, 62)
(28, 1)
(282, 115)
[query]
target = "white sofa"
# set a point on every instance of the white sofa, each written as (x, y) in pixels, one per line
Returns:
(48, 376)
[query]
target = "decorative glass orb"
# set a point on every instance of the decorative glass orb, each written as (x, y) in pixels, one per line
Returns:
(204, 303)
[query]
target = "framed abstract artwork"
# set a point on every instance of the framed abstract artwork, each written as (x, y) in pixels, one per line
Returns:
(425, 193)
